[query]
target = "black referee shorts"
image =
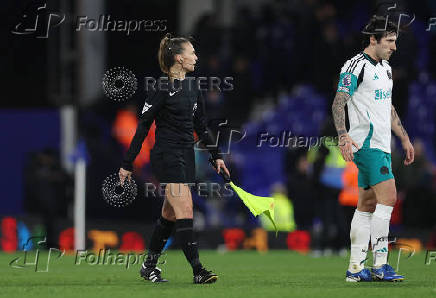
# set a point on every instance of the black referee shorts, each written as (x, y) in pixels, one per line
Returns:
(173, 165)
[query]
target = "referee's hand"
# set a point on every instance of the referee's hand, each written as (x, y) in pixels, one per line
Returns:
(345, 145)
(221, 165)
(123, 175)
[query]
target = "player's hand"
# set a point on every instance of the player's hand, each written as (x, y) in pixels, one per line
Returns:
(410, 152)
(124, 174)
(346, 146)
(221, 165)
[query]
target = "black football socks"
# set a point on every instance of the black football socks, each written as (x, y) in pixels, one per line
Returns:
(162, 231)
(185, 237)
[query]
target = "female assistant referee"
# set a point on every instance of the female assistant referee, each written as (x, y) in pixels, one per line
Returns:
(178, 111)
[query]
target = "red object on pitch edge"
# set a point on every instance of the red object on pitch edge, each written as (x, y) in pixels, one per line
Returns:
(9, 239)
(233, 238)
(299, 241)
(66, 239)
(132, 241)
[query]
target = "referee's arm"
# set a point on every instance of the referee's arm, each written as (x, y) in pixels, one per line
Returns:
(202, 131)
(152, 106)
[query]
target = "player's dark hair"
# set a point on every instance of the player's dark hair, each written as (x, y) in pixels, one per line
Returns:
(378, 27)
(170, 46)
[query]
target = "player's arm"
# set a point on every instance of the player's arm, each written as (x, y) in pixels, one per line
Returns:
(204, 135)
(401, 133)
(338, 111)
(350, 78)
(152, 106)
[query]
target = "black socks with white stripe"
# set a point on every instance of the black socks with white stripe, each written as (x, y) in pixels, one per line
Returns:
(185, 237)
(162, 231)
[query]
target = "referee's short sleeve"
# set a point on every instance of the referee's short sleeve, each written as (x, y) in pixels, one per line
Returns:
(349, 75)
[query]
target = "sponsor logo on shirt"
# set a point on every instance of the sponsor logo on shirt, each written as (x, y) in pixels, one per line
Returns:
(375, 77)
(380, 94)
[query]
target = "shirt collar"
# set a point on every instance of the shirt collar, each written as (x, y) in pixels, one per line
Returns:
(373, 62)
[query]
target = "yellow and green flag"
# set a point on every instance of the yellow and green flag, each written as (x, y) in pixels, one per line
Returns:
(256, 204)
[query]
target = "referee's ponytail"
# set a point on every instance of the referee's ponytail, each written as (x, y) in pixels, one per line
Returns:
(170, 46)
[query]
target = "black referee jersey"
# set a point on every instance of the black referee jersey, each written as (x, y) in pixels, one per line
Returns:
(178, 111)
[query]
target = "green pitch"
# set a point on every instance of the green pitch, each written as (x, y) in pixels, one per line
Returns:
(241, 274)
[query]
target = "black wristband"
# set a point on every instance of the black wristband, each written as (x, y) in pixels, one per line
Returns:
(127, 166)
(215, 154)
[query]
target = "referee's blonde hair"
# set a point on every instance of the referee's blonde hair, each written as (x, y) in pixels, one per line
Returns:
(169, 47)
